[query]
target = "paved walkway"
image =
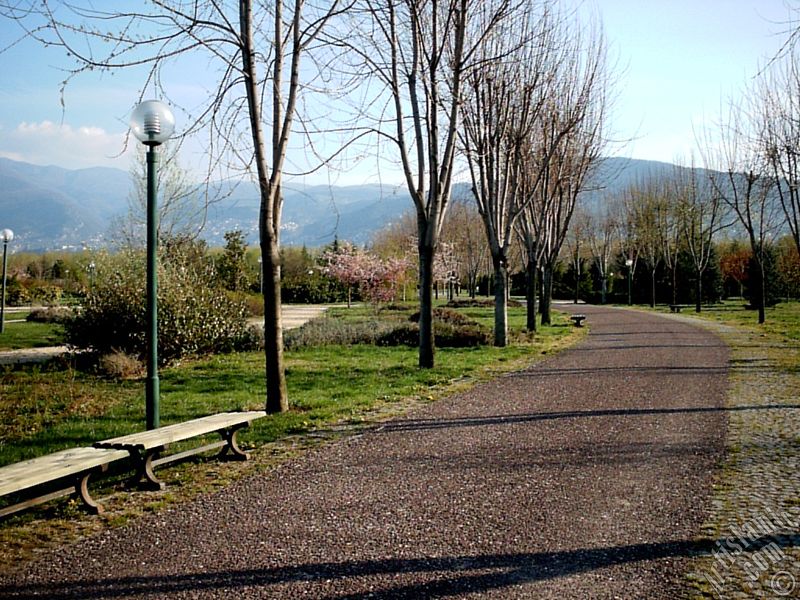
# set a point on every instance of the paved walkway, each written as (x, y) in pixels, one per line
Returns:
(586, 476)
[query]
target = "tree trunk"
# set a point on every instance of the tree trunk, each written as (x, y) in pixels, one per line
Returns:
(277, 400)
(675, 283)
(577, 281)
(653, 288)
(531, 285)
(547, 292)
(603, 289)
(699, 301)
(426, 339)
(500, 304)
(762, 301)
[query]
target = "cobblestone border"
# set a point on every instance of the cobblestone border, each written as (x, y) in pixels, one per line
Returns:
(755, 517)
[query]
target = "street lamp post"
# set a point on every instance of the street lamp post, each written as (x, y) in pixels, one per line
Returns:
(91, 268)
(629, 264)
(152, 123)
(7, 235)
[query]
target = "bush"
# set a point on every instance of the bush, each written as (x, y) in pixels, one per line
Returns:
(60, 314)
(118, 365)
(329, 332)
(194, 316)
(255, 305)
(406, 334)
(446, 335)
(480, 303)
(445, 315)
(470, 335)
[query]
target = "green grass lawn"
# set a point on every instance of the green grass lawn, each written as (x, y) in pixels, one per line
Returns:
(782, 319)
(30, 335)
(46, 409)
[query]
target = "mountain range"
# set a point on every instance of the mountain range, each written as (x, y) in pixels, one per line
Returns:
(50, 208)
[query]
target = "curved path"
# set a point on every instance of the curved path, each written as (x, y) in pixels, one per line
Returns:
(583, 477)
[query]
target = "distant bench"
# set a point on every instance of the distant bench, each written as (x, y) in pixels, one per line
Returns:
(578, 320)
(73, 467)
(676, 308)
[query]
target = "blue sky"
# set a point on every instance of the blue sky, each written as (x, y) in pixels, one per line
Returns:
(678, 59)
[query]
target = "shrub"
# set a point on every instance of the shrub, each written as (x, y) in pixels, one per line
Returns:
(118, 365)
(446, 335)
(406, 334)
(194, 316)
(328, 332)
(480, 303)
(60, 314)
(445, 315)
(254, 304)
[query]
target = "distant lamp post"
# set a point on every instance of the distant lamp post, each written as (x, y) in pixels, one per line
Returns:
(260, 277)
(152, 123)
(629, 264)
(91, 266)
(7, 235)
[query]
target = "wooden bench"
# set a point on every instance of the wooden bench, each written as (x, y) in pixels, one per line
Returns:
(578, 320)
(74, 465)
(676, 308)
(145, 447)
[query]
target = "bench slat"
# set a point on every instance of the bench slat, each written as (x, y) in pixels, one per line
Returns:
(177, 432)
(36, 471)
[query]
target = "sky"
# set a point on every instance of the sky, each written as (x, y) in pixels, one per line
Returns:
(676, 62)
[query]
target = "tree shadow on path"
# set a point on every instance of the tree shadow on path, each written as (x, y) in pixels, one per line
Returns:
(446, 577)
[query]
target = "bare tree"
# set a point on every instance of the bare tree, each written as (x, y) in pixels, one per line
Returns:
(646, 208)
(503, 102)
(576, 243)
(416, 56)
(748, 186)
(576, 157)
(670, 231)
(702, 211)
(562, 152)
(254, 50)
(780, 132)
(602, 234)
(464, 230)
(181, 210)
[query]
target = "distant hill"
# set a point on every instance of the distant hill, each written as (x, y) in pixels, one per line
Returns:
(53, 208)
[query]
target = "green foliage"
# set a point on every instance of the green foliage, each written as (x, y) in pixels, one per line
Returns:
(451, 329)
(445, 315)
(60, 314)
(16, 293)
(231, 265)
(327, 332)
(195, 316)
(446, 335)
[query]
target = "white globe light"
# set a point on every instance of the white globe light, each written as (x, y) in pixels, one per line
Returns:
(152, 122)
(7, 235)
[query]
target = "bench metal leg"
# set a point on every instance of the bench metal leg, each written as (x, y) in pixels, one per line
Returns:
(145, 478)
(232, 445)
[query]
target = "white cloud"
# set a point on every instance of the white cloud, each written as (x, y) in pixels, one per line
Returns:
(48, 143)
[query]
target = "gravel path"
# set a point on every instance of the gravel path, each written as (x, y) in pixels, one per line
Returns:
(585, 477)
